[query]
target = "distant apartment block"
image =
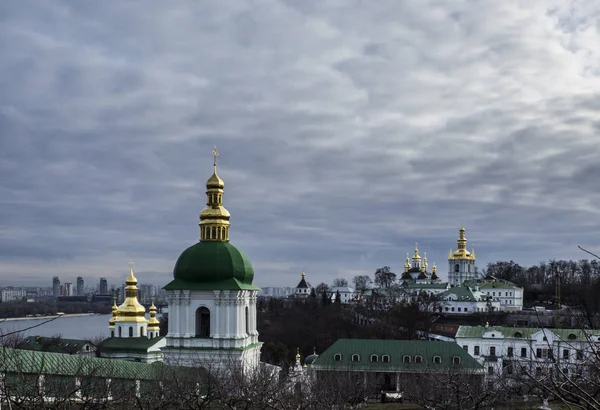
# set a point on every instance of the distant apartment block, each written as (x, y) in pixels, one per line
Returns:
(103, 288)
(274, 292)
(80, 286)
(11, 294)
(68, 291)
(55, 287)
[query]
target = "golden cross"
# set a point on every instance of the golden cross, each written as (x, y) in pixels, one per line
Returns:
(215, 155)
(131, 263)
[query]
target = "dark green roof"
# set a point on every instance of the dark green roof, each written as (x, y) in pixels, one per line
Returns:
(302, 284)
(128, 344)
(212, 266)
(491, 282)
(54, 344)
(34, 362)
(396, 350)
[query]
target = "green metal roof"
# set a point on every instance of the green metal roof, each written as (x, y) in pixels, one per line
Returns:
(128, 344)
(491, 283)
(463, 294)
(396, 350)
(34, 362)
(426, 285)
(212, 266)
(54, 344)
(508, 332)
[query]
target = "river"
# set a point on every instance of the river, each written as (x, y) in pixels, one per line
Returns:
(70, 327)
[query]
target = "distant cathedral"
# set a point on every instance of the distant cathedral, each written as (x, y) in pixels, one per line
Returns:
(461, 264)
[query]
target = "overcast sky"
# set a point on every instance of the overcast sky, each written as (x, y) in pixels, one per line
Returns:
(347, 130)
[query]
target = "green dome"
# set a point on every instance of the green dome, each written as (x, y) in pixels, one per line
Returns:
(212, 266)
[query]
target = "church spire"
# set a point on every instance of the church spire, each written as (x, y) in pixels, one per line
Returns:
(131, 310)
(153, 323)
(113, 319)
(214, 218)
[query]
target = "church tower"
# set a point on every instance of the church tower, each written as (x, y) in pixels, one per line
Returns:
(461, 264)
(212, 300)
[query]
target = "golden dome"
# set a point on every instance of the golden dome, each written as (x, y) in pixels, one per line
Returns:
(112, 320)
(214, 218)
(416, 256)
(433, 269)
(153, 322)
(407, 264)
(298, 354)
(461, 252)
(131, 310)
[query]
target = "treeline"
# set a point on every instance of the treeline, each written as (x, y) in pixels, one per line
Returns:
(50, 307)
(287, 324)
(579, 281)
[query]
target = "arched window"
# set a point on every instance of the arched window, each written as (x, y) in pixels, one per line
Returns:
(337, 357)
(456, 360)
(418, 359)
(247, 322)
(385, 358)
(130, 331)
(120, 331)
(406, 359)
(374, 358)
(355, 358)
(112, 333)
(456, 268)
(202, 322)
(142, 331)
(518, 334)
(214, 233)
(437, 359)
(572, 336)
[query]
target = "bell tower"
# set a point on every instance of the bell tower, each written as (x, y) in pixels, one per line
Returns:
(461, 264)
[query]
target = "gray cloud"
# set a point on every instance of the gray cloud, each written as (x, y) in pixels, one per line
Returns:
(346, 133)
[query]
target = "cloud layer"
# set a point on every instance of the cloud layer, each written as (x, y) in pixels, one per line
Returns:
(348, 130)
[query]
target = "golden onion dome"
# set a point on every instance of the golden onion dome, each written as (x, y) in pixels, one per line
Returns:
(113, 319)
(215, 181)
(153, 322)
(131, 310)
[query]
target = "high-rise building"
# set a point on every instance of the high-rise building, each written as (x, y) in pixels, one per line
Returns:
(55, 287)
(68, 289)
(80, 288)
(103, 288)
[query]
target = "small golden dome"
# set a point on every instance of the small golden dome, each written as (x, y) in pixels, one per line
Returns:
(416, 256)
(153, 323)
(215, 181)
(131, 310)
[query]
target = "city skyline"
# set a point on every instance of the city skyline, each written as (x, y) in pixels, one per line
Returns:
(347, 133)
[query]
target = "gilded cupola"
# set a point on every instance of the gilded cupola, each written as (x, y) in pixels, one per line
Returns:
(113, 319)
(214, 218)
(424, 265)
(153, 323)
(407, 263)
(416, 256)
(461, 252)
(131, 310)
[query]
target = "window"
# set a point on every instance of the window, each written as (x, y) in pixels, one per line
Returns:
(374, 358)
(466, 309)
(437, 359)
(490, 369)
(355, 358)
(418, 359)
(337, 357)
(452, 309)
(523, 352)
(566, 354)
(112, 334)
(493, 293)
(385, 358)
(545, 339)
(130, 331)
(120, 331)
(142, 331)
(459, 309)
(406, 359)
(466, 348)
(456, 360)
(476, 351)
(579, 355)
(538, 353)
(572, 336)
(202, 322)
(492, 350)
(518, 334)
(247, 322)
(456, 268)
(509, 352)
